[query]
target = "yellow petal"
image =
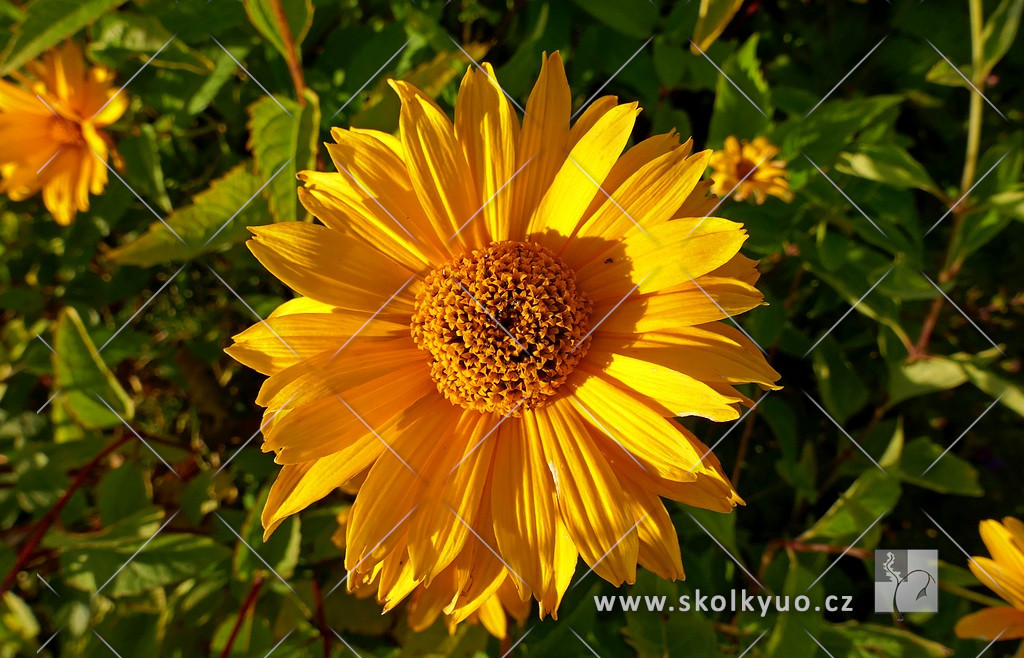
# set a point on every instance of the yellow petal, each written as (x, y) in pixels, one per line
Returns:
(659, 544)
(991, 623)
(708, 299)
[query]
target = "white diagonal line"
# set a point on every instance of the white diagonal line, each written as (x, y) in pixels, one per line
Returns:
(490, 77)
(244, 205)
(829, 416)
(370, 319)
(493, 319)
(144, 305)
(521, 638)
(597, 655)
(139, 197)
(852, 544)
(612, 437)
(370, 552)
(606, 315)
(610, 198)
(279, 643)
(728, 431)
(139, 550)
(818, 643)
(370, 79)
(251, 77)
(966, 79)
(848, 311)
(727, 195)
(989, 645)
(43, 645)
(257, 315)
(122, 88)
(962, 434)
(52, 158)
(48, 586)
(968, 555)
(379, 438)
(258, 556)
(48, 346)
(256, 433)
(738, 88)
(608, 82)
(137, 435)
(349, 646)
(855, 67)
(966, 317)
(751, 645)
(845, 195)
(481, 208)
(48, 401)
(486, 436)
(591, 568)
(496, 554)
(107, 644)
(965, 194)
(722, 546)
(373, 197)
(43, 101)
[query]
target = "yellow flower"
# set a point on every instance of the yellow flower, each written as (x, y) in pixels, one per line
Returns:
(1004, 575)
(51, 126)
(492, 350)
(750, 169)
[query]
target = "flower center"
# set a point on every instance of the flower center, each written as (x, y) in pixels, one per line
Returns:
(66, 131)
(504, 326)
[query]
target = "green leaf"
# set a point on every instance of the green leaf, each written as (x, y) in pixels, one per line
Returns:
(118, 37)
(886, 163)
(793, 630)
(46, 23)
(81, 375)
(873, 494)
(712, 19)
(999, 32)
(298, 14)
(634, 20)
(143, 169)
(930, 375)
(216, 218)
(741, 112)
(949, 475)
(283, 145)
(121, 493)
(281, 550)
(1010, 394)
(656, 635)
(842, 391)
(860, 640)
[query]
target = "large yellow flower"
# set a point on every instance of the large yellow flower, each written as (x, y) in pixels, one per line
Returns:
(1004, 575)
(751, 169)
(492, 350)
(49, 125)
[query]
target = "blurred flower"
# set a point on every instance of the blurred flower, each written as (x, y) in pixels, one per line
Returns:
(749, 168)
(493, 350)
(1004, 575)
(50, 127)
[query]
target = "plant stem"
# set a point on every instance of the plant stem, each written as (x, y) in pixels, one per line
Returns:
(247, 606)
(54, 512)
(294, 63)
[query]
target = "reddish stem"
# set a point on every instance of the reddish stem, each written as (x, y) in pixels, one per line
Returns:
(54, 512)
(247, 605)
(321, 619)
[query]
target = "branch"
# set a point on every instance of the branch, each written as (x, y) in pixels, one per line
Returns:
(247, 605)
(294, 63)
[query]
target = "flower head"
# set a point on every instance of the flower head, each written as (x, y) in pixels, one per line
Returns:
(1004, 575)
(749, 169)
(499, 322)
(51, 136)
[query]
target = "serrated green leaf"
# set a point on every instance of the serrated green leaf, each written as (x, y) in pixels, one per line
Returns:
(742, 98)
(81, 375)
(216, 218)
(712, 19)
(46, 23)
(297, 13)
(283, 145)
(886, 163)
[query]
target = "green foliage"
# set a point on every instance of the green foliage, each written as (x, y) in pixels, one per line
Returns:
(172, 561)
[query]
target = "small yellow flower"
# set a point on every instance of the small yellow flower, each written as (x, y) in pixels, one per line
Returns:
(50, 127)
(1004, 575)
(492, 350)
(749, 168)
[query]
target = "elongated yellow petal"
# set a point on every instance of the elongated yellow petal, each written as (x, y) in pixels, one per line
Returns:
(992, 623)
